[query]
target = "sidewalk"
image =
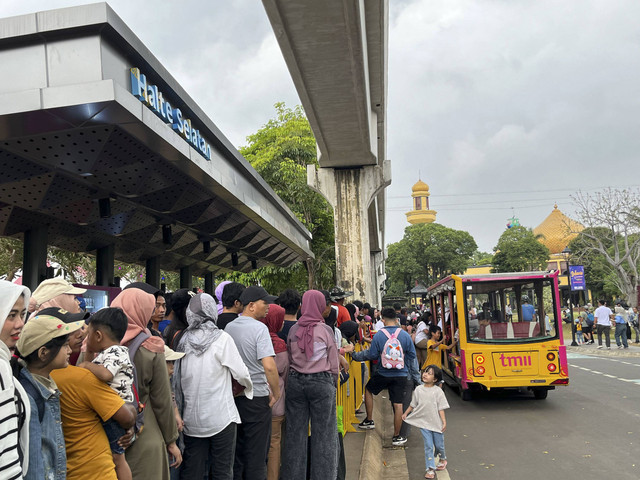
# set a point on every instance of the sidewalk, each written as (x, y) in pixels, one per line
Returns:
(592, 349)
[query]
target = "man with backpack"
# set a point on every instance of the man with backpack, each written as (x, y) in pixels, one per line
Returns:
(396, 356)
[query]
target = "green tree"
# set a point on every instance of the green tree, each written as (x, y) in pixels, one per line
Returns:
(427, 253)
(280, 152)
(518, 250)
(481, 258)
(10, 257)
(612, 234)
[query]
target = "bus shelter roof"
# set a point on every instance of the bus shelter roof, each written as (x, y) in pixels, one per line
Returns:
(82, 155)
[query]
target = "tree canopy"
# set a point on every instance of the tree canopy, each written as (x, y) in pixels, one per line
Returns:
(426, 253)
(518, 250)
(280, 152)
(610, 242)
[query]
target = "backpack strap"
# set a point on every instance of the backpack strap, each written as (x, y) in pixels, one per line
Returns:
(384, 330)
(133, 347)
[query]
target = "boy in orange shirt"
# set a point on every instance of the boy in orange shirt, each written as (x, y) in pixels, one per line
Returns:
(435, 346)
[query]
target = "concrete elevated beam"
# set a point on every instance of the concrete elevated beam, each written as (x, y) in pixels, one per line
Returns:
(336, 52)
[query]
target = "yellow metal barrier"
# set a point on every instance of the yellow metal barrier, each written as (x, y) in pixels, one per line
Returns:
(349, 394)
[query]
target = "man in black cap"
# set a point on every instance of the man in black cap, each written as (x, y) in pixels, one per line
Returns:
(256, 349)
(337, 302)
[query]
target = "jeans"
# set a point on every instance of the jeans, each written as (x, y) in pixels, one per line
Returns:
(579, 337)
(254, 436)
(215, 453)
(432, 440)
(621, 332)
(606, 330)
(310, 397)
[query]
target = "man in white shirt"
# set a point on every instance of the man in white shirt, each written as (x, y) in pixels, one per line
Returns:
(603, 316)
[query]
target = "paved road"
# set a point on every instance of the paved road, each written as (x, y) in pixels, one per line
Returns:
(588, 430)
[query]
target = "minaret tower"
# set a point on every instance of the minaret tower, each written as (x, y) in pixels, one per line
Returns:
(421, 212)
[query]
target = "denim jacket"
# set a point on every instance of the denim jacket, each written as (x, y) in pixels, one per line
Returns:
(47, 454)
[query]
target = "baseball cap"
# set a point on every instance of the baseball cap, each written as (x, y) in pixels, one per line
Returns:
(254, 293)
(62, 314)
(41, 329)
(52, 287)
(337, 293)
(171, 355)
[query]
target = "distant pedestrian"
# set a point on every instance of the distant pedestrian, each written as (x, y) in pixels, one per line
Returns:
(633, 319)
(426, 412)
(587, 325)
(579, 337)
(621, 327)
(603, 316)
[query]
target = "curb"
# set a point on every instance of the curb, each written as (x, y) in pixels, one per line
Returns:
(380, 460)
(614, 352)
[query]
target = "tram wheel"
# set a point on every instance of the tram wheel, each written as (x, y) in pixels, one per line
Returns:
(540, 393)
(465, 394)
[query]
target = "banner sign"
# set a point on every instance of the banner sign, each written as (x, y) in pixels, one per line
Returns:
(153, 98)
(576, 274)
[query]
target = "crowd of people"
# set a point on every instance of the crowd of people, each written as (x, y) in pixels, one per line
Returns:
(623, 319)
(187, 385)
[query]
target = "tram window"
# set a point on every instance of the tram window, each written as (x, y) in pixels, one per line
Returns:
(511, 311)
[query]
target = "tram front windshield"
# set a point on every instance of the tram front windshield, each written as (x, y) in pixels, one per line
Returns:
(510, 311)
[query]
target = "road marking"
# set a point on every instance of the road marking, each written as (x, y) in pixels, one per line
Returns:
(635, 381)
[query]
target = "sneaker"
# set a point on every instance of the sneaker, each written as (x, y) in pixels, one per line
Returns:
(600, 347)
(608, 348)
(398, 440)
(442, 465)
(366, 424)
(619, 346)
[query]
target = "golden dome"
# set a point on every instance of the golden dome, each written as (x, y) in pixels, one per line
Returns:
(420, 188)
(557, 230)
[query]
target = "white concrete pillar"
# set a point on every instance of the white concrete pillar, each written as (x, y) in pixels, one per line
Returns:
(350, 191)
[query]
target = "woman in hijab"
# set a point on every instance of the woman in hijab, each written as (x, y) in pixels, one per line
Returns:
(202, 384)
(274, 322)
(58, 293)
(147, 455)
(311, 394)
(14, 404)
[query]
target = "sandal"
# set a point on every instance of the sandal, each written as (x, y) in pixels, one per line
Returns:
(430, 474)
(442, 465)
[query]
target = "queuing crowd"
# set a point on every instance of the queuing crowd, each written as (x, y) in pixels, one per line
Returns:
(186, 385)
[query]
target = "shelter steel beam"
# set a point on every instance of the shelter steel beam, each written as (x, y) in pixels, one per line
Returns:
(105, 258)
(186, 280)
(208, 284)
(153, 271)
(34, 260)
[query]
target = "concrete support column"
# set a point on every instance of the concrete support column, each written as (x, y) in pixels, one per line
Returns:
(208, 283)
(152, 274)
(350, 192)
(105, 260)
(34, 259)
(186, 280)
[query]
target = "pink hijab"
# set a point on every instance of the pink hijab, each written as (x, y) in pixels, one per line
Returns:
(138, 307)
(313, 304)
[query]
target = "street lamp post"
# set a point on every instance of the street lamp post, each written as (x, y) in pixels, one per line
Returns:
(566, 253)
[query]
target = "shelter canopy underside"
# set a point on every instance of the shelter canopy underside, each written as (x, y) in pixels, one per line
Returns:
(72, 134)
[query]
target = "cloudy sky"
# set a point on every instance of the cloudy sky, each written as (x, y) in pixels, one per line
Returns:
(504, 107)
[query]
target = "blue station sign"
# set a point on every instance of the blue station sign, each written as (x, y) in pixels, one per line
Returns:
(153, 98)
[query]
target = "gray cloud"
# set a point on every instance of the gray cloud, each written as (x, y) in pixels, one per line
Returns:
(536, 98)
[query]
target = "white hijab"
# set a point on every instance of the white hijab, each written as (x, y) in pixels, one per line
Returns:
(9, 294)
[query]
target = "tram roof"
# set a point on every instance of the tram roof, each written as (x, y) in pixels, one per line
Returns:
(444, 284)
(72, 133)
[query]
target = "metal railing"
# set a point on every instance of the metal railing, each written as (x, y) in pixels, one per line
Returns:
(349, 395)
